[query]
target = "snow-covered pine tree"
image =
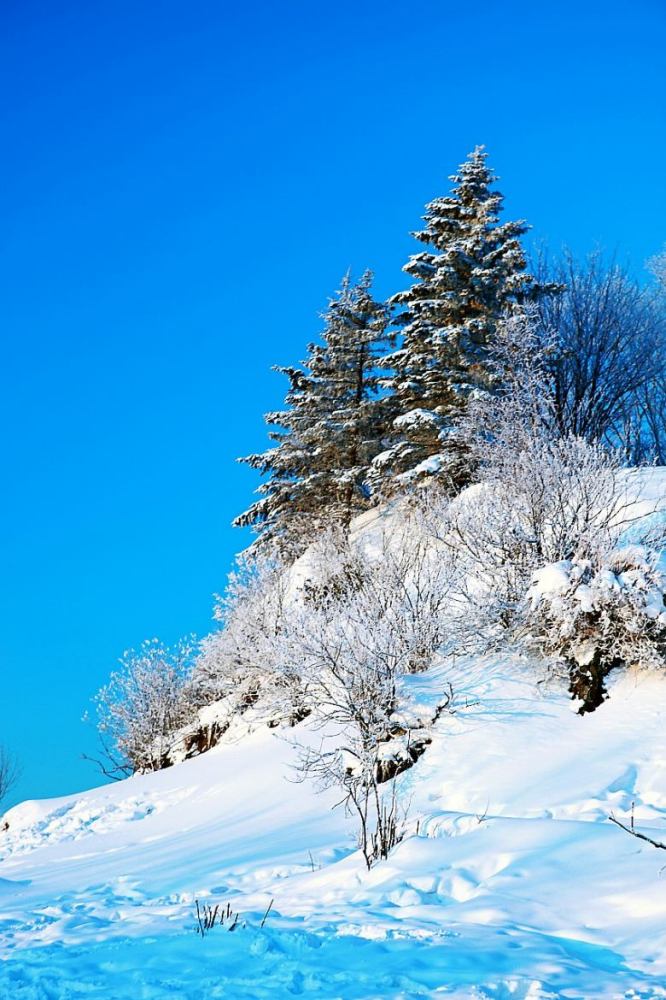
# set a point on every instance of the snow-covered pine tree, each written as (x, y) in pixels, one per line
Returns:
(335, 423)
(473, 273)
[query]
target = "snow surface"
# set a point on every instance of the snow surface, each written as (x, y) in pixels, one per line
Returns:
(511, 882)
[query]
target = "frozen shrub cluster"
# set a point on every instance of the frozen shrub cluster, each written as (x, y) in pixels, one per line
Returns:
(249, 657)
(146, 701)
(548, 505)
(599, 613)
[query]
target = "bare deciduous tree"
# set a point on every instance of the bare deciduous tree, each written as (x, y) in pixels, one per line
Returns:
(610, 336)
(9, 772)
(354, 665)
(645, 428)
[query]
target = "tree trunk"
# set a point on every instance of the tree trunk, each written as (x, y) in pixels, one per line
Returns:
(587, 682)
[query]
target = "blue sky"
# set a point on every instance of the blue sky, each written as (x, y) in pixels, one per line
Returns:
(182, 186)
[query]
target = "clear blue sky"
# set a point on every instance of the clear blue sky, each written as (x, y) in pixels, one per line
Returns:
(182, 186)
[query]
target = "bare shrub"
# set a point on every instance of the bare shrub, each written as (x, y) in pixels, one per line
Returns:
(209, 916)
(9, 772)
(631, 829)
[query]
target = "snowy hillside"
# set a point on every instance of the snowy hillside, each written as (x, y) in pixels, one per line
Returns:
(513, 882)
(510, 882)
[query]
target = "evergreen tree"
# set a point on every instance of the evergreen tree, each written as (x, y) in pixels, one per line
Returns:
(332, 428)
(472, 274)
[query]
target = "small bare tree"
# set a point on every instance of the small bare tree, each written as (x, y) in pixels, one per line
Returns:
(9, 772)
(354, 666)
(368, 617)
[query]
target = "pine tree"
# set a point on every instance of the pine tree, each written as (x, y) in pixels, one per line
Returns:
(472, 274)
(332, 428)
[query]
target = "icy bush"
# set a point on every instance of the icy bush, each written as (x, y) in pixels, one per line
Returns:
(598, 613)
(540, 497)
(371, 612)
(144, 705)
(249, 658)
(333, 636)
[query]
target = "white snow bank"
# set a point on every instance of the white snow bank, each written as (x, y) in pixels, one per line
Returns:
(510, 880)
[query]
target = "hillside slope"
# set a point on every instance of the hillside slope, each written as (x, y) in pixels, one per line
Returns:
(510, 881)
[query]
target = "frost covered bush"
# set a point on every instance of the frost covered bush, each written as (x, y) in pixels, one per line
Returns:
(540, 497)
(553, 500)
(371, 613)
(144, 705)
(263, 654)
(248, 612)
(249, 661)
(598, 613)
(354, 658)
(332, 637)
(329, 636)
(401, 575)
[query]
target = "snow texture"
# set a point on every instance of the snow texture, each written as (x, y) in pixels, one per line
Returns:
(511, 882)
